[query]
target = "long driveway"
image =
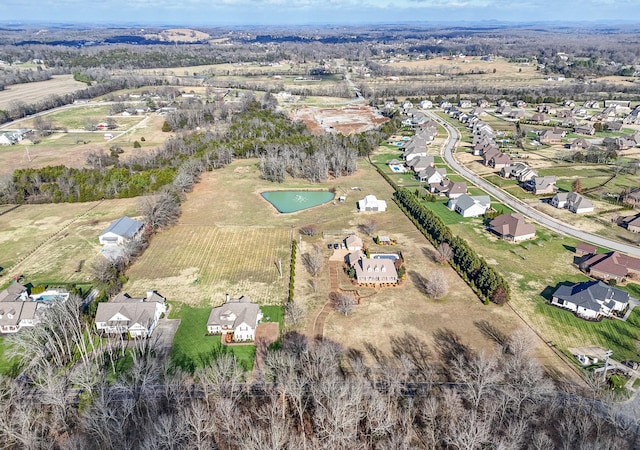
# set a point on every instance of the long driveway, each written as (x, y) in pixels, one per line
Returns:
(521, 207)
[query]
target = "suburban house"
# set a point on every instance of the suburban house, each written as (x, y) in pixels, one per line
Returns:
(591, 299)
(371, 203)
(520, 171)
(541, 185)
(420, 163)
(432, 175)
(500, 160)
(236, 319)
(633, 197)
(516, 114)
(451, 189)
(15, 292)
(579, 144)
(353, 243)
(631, 223)
(553, 136)
(488, 154)
(612, 265)
(121, 231)
(540, 117)
(17, 315)
(586, 128)
(468, 206)
(512, 227)
(397, 166)
(137, 317)
(373, 270)
(583, 249)
(572, 201)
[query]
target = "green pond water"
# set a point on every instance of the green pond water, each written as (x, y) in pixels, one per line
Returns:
(292, 201)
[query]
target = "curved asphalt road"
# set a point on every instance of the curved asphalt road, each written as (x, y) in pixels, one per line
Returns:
(517, 205)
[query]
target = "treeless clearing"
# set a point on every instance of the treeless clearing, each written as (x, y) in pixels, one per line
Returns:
(345, 120)
(49, 241)
(39, 90)
(72, 149)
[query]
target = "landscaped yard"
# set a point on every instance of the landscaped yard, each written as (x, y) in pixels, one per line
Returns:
(193, 348)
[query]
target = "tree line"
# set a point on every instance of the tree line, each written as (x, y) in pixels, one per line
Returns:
(304, 395)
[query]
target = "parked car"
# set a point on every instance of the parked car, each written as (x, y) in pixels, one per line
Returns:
(336, 246)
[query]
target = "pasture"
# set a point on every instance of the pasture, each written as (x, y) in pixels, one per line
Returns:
(47, 243)
(39, 90)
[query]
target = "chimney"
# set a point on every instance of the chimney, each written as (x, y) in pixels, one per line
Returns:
(227, 298)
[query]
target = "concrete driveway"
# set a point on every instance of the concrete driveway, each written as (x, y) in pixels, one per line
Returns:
(164, 333)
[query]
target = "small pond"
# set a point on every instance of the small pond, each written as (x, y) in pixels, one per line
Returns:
(292, 201)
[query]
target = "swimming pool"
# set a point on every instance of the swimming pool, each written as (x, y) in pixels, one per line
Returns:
(395, 168)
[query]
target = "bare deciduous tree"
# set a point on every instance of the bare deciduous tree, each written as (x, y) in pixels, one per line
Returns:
(437, 285)
(343, 302)
(444, 253)
(313, 260)
(369, 226)
(294, 313)
(160, 210)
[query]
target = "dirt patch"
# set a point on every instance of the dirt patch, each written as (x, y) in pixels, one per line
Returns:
(267, 333)
(345, 120)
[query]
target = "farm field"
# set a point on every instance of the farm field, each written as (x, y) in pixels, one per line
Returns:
(72, 149)
(39, 90)
(46, 243)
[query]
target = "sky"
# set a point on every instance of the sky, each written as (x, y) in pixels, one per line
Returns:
(308, 12)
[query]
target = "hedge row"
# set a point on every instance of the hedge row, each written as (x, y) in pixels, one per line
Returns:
(292, 274)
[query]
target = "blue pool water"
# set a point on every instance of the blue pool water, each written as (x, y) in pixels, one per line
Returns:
(395, 169)
(292, 201)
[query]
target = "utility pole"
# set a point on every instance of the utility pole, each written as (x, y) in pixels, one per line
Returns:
(280, 266)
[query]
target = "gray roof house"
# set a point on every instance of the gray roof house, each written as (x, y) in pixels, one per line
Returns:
(420, 163)
(591, 299)
(468, 206)
(541, 185)
(238, 318)
(572, 201)
(432, 175)
(137, 317)
(15, 292)
(16, 315)
(120, 231)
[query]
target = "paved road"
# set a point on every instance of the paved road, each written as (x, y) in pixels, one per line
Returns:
(543, 219)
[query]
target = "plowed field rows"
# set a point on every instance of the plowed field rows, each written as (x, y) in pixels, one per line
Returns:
(198, 265)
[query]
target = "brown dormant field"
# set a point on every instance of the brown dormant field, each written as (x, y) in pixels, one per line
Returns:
(47, 242)
(34, 92)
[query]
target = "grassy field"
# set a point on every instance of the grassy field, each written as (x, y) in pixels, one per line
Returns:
(6, 365)
(46, 243)
(35, 92)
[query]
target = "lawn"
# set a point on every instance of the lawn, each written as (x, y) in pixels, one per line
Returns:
(537, 267)
(7, 367)
(448, 217)
(273, 313)
(193, 348)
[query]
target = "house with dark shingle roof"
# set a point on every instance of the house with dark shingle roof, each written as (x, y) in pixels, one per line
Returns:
(612, 265)
(591, 299)
(631, 223)
(512, 227)
(583, 249)
(541, 185)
